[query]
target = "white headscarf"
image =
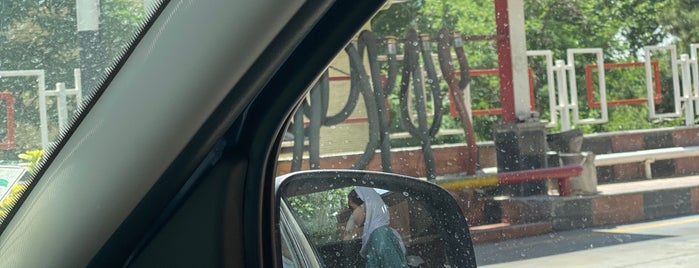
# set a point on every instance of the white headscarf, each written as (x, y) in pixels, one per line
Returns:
(376, 212)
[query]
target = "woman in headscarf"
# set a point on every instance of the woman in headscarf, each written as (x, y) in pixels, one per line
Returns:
(381, 244)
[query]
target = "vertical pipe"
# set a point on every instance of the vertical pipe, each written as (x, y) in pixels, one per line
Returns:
(412, 72)
(314, 128)
(459, 45)
(382, 113)
(466, 111)
(423, 126)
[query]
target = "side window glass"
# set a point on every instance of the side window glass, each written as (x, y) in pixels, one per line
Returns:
(531, 113)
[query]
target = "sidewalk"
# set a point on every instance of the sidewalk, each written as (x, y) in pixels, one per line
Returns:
(618, 203)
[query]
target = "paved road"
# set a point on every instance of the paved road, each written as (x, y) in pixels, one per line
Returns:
(663, 243)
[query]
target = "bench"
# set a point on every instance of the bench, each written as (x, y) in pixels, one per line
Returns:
(646, 156)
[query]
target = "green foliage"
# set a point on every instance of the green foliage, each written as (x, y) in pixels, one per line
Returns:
(620, 28)
(680, 18)
(396, 19)
(33, 158)
(317, 212)
(622, 118)
(9, 201)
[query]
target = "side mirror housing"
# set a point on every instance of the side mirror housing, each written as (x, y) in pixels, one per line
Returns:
(316, 218)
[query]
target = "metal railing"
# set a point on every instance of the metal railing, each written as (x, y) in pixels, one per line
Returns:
(61, 93)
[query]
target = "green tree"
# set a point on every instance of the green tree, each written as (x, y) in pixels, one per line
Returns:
(620, 28)
(680, 18)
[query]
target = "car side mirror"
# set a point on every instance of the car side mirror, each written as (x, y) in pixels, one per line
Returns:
(351, 218)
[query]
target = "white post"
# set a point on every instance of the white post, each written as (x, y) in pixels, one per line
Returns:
(548, 54)
(649, 82)
(91, 54)
(62, 106)
(695, 77)
(600, 81)
(675, 80)
(87, 14)
(43, 116)
(563, 102)
(687, 97)
(520, 66)
(77, 78)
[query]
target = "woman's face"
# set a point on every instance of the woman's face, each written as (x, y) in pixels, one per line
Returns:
(351, 204)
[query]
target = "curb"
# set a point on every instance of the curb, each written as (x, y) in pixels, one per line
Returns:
(532, 216)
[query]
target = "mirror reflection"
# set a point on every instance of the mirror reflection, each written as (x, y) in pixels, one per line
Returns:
(369, 227)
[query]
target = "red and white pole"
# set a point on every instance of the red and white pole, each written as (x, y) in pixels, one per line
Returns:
(512, 59)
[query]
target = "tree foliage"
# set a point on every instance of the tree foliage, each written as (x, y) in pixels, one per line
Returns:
(620, 28)
(681, 19)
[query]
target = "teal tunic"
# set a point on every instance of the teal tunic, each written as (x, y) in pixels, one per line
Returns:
(384, 250)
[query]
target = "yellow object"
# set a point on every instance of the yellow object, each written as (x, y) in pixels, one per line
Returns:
(470, 182)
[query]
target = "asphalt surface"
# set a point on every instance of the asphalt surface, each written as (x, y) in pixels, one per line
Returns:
(672, 242)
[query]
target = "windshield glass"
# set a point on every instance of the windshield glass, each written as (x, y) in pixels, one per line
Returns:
(54, 55)
(566, 130)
